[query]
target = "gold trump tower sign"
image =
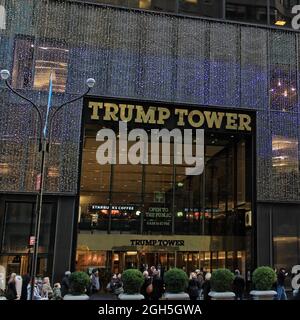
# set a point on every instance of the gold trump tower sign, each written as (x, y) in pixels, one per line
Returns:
(162, 116)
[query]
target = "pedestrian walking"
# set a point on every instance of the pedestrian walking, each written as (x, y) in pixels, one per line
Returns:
(158, 286)
(147, 287)
(47, 291)
(25, 282)
(281, 294)
(11, 291)
(193, 286)
(95, 281)
(56, 292)
(65, 284)
(206, 286)
(238, 285)
(36, 291)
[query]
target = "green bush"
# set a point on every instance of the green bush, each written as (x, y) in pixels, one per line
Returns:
(176, 280)
(79, 282)
(132, 281)
(221, 280)
(263, 278)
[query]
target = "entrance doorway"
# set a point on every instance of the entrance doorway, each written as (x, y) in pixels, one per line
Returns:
(141, 260)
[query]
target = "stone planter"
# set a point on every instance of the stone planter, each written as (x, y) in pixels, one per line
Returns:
(263, 295)
(176, 296)
(80, 297)
(125, 296)
(228, 295)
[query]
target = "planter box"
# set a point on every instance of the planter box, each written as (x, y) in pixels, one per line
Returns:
(228, 295)
(263, 295)
(71, 297)
(176, 296)
(125, 296)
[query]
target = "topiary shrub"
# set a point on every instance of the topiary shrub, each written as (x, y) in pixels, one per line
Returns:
(221, 280)
(263, 278)
(132, 281)
(79, 282)
(176, 280)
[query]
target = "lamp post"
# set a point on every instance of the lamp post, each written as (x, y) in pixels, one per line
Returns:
(44, 146)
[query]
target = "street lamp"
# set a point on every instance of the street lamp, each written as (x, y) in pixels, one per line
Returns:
(44, 143)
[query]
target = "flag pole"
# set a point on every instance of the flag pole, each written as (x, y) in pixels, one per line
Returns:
(39, 200)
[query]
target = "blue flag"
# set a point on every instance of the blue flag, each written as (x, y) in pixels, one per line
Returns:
(48, 105)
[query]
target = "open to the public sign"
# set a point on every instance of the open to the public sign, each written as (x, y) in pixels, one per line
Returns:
(38, 182)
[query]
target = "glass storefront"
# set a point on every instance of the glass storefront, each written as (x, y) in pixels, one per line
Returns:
(125, 198)
(161, 199)
(118, 261)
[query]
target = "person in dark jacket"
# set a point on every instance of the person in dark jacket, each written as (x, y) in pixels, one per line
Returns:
(95, 282)
(11, 292)
(25, 283)
(193, 286)
(158, 286)
(65, 284)
(116, 284)
(238, 285)
(206, 286)
(147, 283)
(281, 294)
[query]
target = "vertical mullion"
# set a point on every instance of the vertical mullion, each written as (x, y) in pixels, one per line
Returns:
(173, 198)
(110, 196)
(268, 13)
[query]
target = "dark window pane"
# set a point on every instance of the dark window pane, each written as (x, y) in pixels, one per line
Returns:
(23, 63)
(247, 11)
(204, 8)
(286, 236)
(156, 5)
(19, 226)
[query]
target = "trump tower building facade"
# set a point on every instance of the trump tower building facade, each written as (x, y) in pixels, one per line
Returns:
(158, 65)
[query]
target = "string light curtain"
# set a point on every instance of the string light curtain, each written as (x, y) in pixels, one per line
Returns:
(143, 55)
